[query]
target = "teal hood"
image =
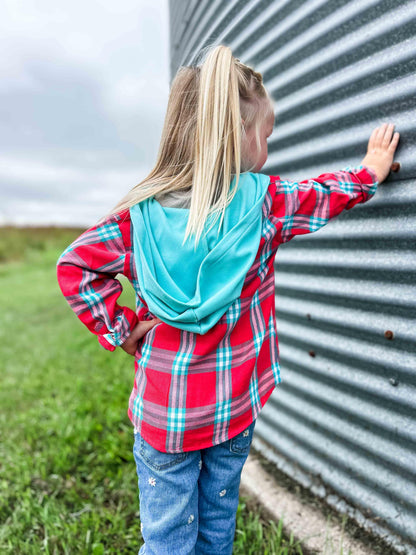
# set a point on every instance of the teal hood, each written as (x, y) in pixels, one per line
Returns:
(187, 288)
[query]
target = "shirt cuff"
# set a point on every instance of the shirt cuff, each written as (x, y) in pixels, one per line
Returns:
(112, 340)
(367, 177)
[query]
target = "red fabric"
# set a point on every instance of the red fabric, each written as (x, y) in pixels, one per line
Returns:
(193, 391)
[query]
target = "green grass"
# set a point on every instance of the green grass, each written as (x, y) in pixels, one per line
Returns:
(67, 475)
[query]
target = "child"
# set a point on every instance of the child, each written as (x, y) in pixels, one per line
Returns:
(204, 331)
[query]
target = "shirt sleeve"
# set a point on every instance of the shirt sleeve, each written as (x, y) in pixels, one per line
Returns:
(306, 206)
(86, 273)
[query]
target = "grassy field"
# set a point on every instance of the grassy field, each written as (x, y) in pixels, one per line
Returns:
(67, 475)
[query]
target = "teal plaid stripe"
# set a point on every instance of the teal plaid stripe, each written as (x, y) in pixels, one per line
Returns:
(181, 363)
(268, 229)
(224, 356)
(138, 407)
(347, 186)
(141, 381)
(287, 222)
(352, 168)
(274, 353)
(146, 352)
(288, 186)
(254, 392)
(316, 223)
(276, 372)
(91, 298)
(233, 313)
(223, 411)
(258, 341)
(372, 190)
(176, 419)
(263, 268)
(109, 231)
(257, 323)
(105, 232)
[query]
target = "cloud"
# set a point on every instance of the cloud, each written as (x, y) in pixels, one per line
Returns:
(83, 94)
(44, 193)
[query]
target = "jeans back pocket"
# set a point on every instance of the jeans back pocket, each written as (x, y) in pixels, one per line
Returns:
(157, 460)
(241, 443)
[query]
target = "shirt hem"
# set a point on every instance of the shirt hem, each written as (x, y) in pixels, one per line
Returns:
(204, 445)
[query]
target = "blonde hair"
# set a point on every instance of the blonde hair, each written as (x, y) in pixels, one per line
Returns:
(200, 147)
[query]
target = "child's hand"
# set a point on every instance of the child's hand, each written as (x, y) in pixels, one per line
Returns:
(381, 149)
(139, 330)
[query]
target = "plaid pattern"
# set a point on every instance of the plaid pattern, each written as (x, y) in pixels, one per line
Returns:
(193, 391)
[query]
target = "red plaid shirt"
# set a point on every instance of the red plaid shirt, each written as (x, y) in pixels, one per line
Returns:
(193, 391)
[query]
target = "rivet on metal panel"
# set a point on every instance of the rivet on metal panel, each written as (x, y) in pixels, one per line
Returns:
(312, 353)
(395, 167)
(388, 334)
(394, 381)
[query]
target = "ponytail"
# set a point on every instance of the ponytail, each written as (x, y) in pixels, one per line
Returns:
(217, 153)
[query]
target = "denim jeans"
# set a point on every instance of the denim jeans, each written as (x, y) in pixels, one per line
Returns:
(189, 501)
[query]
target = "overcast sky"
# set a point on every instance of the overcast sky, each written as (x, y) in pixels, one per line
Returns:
(83, 95)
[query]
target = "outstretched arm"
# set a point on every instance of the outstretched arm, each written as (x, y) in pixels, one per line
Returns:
(306, 206)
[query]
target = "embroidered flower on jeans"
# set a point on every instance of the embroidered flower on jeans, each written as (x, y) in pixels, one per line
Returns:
(223, 492)
(245, 433)
(152, 481)
(191, 519)
(200, 464)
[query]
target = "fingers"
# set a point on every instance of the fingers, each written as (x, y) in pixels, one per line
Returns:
(388, 132)
(372, 140)
(144, 326)
(394, 142)
(382, 137)
(387, 142)
(141, 328)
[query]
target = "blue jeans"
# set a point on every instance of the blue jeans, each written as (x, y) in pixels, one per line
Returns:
(189, 501)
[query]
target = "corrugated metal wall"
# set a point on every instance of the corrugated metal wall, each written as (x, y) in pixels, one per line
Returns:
(343, 420)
